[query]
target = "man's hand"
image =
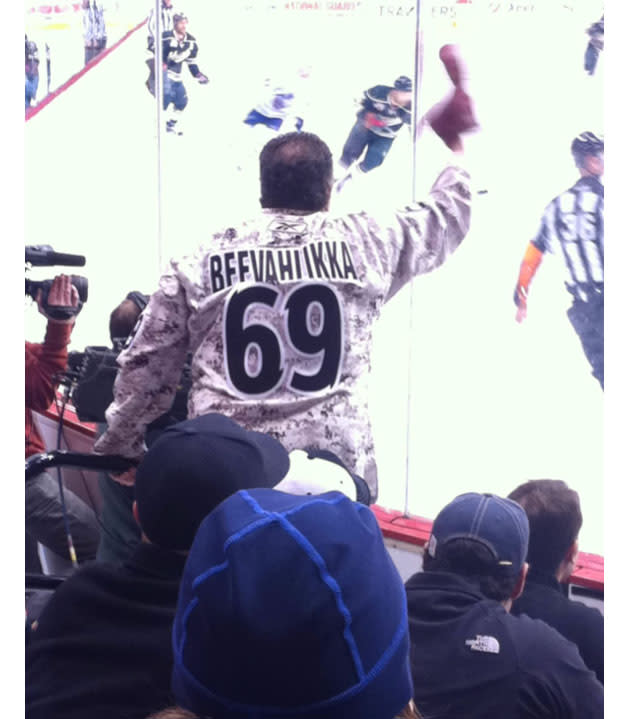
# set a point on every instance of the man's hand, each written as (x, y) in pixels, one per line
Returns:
(202, 79)
(62, 294)
(127, 479)
(520, 300)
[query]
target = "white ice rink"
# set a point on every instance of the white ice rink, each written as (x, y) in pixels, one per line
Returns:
(493, 403)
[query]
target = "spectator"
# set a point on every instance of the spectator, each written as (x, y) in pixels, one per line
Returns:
(44, 509)
(278, 314)
(555, 520)
(102, 647)
(291, 606)
(469, 656)
(94, 31)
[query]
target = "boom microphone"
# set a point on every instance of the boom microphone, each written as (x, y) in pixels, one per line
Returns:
(45, 256)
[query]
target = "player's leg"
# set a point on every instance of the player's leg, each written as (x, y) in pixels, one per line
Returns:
(590, 58)
(355, 144)
(256, 118)
(30, 90)
(150, 82)
(180, 100)
(587, 319)
(378, 147)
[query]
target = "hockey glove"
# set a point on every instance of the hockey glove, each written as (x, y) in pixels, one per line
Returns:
(371, 120)
(202, 79)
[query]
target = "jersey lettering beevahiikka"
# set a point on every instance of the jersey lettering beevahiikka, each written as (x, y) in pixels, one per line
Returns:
(278, 315)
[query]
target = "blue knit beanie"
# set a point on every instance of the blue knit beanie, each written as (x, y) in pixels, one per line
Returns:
(290, 606)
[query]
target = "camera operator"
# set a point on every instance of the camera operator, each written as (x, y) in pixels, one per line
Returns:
(120, 531)
(44, 514)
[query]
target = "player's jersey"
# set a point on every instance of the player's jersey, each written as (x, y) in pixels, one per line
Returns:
(573, 226)
(596, 34)
(278, 315)
(277, 103)
(31, 57)
(176, 52)
(381, 116)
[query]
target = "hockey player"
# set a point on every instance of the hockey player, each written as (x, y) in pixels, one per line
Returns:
(274, 109)
(383, 112)
(278, 312)
(573, 225)
(166, 23)
(280, 110)
(595, 45)
(31, 71)
(178, 47)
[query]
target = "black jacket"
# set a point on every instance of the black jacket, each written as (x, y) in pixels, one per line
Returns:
(544, 599)
(470, 658)
(102, 649)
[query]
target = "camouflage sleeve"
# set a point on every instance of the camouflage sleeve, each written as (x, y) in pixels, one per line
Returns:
(431, 230)
(150, 368)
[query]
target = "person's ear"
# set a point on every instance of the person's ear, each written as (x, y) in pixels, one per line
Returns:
(572, 552)
(520, 582)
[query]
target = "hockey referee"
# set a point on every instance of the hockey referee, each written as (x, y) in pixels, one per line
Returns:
(573, 225)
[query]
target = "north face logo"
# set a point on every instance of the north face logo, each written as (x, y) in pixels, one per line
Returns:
(481, 643)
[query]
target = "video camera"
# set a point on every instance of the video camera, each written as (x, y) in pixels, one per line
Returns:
(91, 375)
(45, 256)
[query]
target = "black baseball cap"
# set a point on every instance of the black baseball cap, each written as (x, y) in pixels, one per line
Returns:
(193, 466)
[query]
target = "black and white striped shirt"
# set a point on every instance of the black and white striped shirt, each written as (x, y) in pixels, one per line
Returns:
(573, 224)
(166, 23)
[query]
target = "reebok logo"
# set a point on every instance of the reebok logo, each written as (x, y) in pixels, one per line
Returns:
(481, 643)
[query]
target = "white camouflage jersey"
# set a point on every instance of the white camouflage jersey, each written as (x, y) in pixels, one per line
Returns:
(278, 315)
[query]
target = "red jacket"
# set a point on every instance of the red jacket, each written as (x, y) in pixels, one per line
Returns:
(43, 362)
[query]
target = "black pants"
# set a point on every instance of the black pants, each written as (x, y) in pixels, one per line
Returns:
(587, 318)
(360, 138)
(45, 522)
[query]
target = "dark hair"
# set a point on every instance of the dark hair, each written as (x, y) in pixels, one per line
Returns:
(474, 561)
(555, 520)
(123, 319)
(296, 172)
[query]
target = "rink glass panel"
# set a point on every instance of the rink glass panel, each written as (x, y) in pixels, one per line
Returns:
(488, 403)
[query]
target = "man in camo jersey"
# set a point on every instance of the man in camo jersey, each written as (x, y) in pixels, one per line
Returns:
(278, 313)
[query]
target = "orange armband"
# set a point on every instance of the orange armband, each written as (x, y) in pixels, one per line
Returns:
(529, 265)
